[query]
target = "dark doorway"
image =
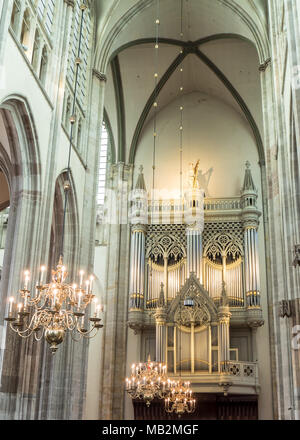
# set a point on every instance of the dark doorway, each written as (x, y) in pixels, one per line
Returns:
(209, 407)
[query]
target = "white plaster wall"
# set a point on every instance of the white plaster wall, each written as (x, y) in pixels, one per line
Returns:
(265, 404)
(19, 80)
(213, 132)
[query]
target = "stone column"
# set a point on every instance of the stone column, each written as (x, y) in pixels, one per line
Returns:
(223, 336)
(113, 357)
(160, 320)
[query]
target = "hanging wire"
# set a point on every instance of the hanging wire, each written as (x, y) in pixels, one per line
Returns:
(155, 104)
(78, 60)
(180, 159)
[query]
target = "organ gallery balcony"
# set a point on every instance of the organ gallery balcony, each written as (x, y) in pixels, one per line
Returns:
(236, 377)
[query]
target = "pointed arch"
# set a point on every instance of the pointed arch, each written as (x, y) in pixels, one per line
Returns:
(193, 289)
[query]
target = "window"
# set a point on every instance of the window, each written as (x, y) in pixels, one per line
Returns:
(85, 52)
(43, 67)
(25, 29)
(15, 16)
(103, 164)
(45, 10)
(36, 50)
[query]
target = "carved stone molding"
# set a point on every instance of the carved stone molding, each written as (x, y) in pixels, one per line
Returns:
(139, 228)
(70, 3)
(296, 261)
(264, 65)
(101, 76)
(285, 309)
(225, 386)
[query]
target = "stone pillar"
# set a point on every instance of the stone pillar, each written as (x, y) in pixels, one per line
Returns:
(223, 336)
(137, 267)
(113, 357)
(160, 320)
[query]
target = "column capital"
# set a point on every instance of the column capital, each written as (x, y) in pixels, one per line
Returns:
(139, 228)
(101, 76)
(224, 315)
(160, 316)
(250, 218)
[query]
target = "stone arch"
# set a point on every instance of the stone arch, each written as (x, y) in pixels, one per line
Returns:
(223, 243)
(21, 160)
(103, 51)
(71, 234)
(193, 289)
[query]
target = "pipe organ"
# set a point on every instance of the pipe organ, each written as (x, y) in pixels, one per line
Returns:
(211, 260)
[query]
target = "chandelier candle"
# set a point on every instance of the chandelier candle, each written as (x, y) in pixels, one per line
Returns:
(148, 381)
(55, 310)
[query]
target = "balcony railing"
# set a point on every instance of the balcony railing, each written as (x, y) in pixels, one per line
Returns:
(232, 377)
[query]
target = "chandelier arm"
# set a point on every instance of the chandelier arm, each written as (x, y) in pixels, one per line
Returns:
(39, 338)
(22, 334)
(89, 336)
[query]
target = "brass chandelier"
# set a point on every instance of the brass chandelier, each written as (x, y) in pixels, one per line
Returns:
(57, 307)
(180, 399)
(148, 381)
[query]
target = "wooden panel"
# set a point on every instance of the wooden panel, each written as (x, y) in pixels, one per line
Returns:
(209, 407)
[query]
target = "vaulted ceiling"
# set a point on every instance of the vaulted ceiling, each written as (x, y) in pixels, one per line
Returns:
(219, 58)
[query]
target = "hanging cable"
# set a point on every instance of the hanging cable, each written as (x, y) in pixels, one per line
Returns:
(181, 151)
(67, 185)
(155, 105)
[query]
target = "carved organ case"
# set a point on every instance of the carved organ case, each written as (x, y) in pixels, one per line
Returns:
(195, 292)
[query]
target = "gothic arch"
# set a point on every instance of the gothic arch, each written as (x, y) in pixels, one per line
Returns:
(193, 289)
(22, 167)
(71, 241)
(103, 51)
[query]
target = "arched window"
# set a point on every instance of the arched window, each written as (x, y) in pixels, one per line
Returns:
(45, 10)
(36, 50)
(103, 164)
(25, 29)
(79, 135)
(85, 54)
(43, 67)
(15, 15)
